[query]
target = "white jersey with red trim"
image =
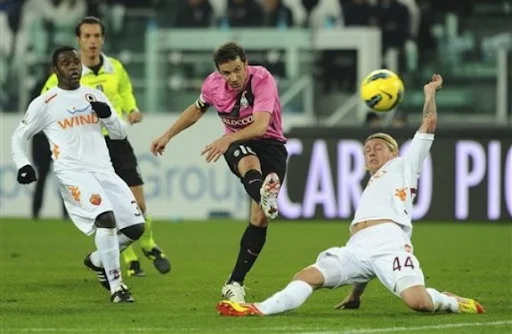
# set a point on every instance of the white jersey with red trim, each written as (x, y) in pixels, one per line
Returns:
(390, 192)
(72, 128)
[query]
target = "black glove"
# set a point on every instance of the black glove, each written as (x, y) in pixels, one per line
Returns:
(26, 175)
(101, 109)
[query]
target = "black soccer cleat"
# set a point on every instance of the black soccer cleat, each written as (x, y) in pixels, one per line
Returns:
(122, 295)
(160, 261)
(100, 272)
(134, 269)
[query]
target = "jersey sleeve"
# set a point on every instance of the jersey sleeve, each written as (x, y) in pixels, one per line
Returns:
(418, 151)
(126, 91)
(34, 121)
(50, 83)
(265, 94)
(204, 101)
(115, 126)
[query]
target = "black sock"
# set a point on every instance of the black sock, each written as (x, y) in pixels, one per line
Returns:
(250, 246)
(252, 181)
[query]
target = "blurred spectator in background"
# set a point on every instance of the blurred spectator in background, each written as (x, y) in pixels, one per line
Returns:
(244, 13)
(95, 8)
(277, 14)
(394, 21)
(373, 120)
(426, 40)
(65, 15)
(358, 13)
(194, 14)
(114, 16)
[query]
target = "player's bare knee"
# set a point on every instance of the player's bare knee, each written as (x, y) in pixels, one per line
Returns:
(248, 163)
(417, 299)
(133, 232)
(310, 275)
(105, 220)
(258, 218)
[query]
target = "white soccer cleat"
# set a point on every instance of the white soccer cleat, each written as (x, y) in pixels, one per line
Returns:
(234, 292)
(269, 191)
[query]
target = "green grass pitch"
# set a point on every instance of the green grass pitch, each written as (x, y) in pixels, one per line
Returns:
(44, 287)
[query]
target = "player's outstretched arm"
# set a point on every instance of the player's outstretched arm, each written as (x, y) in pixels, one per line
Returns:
(429, 123)
(353, 300)
(34, 121)
(187, 118)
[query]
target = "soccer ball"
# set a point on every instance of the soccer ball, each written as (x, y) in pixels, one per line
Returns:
(382, 90)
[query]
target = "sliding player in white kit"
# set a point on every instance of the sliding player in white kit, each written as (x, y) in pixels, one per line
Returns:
(380, 244)
(72, 116)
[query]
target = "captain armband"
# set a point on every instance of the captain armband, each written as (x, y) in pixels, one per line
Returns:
(201, 104)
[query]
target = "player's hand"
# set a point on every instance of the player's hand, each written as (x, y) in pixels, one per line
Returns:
(134, 117)
(351, 302)
(101, 109)
(26, 175)
(158, 145)
(434, 85)
(216, 149)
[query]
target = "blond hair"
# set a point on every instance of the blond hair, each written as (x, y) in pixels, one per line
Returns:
(390, 141)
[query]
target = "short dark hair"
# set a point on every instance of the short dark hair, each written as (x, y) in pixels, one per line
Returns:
(58, 51)
(228, 52)
(89, 20)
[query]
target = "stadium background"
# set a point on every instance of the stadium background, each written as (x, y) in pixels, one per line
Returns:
(318, 50)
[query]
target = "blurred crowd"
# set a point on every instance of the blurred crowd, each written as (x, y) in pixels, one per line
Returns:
(34, 27)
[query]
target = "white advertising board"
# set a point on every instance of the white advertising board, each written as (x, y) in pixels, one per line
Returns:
(178, 185)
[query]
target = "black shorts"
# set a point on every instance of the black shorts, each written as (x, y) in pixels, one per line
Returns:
(124, 161)
(271, 153)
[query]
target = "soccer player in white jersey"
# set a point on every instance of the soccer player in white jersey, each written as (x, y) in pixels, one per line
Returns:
(98, 201)
(380, 244)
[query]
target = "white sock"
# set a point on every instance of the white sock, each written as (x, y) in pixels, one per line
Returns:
(443, 302)
(108, 250)
(96, 259)
(291, 297)
(124, 241)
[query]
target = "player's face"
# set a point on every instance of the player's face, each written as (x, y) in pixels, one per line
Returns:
(235, 73)
(376, 153)
(68, 70)
(90, 40)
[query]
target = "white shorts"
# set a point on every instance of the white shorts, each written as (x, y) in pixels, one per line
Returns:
(383, 251)
(88, 194)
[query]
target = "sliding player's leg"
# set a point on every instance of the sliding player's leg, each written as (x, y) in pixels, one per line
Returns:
(334, 267)
(399, 270)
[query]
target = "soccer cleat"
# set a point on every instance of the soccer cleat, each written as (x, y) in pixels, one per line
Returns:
(234, 292)
(134, 269)
(233, 309)
(269, 191)
(100, 272)
(160, 261)
(122, 295)
(467, 305)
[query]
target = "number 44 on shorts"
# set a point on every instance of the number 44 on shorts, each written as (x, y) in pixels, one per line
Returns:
(397, 265)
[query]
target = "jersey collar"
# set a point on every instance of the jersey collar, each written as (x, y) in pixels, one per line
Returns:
(107, 67)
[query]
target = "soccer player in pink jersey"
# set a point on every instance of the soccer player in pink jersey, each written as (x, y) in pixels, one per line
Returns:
(247, 102)
(379, 245)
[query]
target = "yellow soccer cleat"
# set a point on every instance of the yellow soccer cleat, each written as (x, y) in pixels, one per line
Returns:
(232, 309)
(467, 305)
